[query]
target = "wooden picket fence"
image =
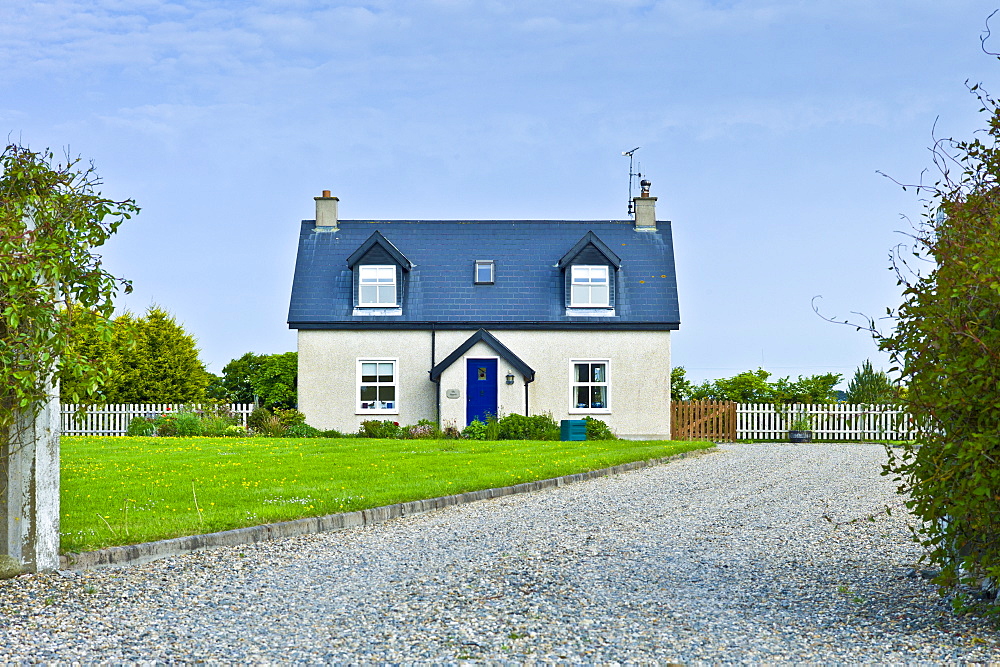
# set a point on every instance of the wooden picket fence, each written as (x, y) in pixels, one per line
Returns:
(703, 420)
(114, 419)
(722, 421)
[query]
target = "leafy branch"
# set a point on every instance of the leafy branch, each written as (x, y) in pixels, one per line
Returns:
(52, 217)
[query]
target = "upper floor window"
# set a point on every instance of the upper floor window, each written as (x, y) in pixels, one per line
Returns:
(484, 272)
(589, 287)
(377, 286)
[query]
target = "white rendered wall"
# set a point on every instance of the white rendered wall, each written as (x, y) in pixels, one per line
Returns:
(639, 376)
(328, 376)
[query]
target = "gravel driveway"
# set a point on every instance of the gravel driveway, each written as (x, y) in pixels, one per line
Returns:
(721, 557)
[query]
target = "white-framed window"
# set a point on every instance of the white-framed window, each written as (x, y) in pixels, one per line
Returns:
(589, 386)
(377, 386)
(589, 286)
(376, 286)
(484, 272)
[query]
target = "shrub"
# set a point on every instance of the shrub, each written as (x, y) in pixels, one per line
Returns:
(332, 433)
(946, 346)
(492, 427)
(257, 419)
(598, 430)
(302, 431)
(141, 426)
(515, 427)
(451, 431)
(272, 427)
(166, 424)
(535, 427)
(289, 417)
(235, 430)
(544, 427)
(476, 430)
(425, 428)
(374, 428)
(799, 422)
(188, 424)
(215, 426)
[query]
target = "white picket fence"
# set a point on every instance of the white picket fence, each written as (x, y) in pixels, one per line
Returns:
(114, 419)
(835, 421)
(754, 421)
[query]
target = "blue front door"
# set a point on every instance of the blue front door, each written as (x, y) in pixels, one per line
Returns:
(480, 389)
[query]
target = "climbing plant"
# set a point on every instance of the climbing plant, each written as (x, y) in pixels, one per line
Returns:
(52, 217)
(946, 350)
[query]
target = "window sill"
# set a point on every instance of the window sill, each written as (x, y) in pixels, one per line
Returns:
(590, 411)
(376, 412)
(367, 312)
(590, 312)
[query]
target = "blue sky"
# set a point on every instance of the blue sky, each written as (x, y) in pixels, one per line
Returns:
(762, 125)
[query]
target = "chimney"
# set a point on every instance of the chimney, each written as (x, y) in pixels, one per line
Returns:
(326, 211)
(645, 209)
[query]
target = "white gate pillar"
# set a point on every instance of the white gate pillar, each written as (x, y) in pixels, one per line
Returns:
(29, 489)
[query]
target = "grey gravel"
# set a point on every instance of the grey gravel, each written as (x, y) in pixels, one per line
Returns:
(725, 557)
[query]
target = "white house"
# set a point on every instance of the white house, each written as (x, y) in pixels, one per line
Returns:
(449, 320)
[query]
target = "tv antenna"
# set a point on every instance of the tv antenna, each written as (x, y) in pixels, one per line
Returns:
(632, 175)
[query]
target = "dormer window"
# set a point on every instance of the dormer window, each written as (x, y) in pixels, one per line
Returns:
(590, 269)
(484, 272)
(377, 286)
(589, 287)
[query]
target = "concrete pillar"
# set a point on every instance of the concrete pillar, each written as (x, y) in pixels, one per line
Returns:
(29, 489)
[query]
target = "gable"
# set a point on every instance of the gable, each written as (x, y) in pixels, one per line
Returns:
(378, 250)
(489, 339)
(590, 250)
(375, 255)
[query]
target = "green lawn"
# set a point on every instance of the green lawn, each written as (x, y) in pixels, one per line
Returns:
(118, 490)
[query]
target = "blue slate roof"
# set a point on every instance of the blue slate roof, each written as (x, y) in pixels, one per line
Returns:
(529, 288)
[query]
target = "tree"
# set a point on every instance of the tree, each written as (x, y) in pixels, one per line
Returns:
(238, 376)
(754, 387)
(870, 386)
(946, 347)
(680, 386)
(152, 359)
(167, 358)
(268, 379)
(215, 389)
(51, 219)
(809, 389)
(746, 387)
(277, 381)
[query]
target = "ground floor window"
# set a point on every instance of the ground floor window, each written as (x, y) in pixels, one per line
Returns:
(377, 386)
(589, 386)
